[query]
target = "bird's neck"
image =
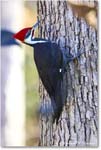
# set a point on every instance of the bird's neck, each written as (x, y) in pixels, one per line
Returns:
(38, 41)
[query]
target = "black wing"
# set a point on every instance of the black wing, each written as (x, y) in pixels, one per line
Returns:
(48, 59)
(49, 62)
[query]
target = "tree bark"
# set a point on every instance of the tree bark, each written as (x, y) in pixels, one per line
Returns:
(78, 124)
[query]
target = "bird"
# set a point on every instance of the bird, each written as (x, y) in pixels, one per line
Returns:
(7, 38)
(51, 65)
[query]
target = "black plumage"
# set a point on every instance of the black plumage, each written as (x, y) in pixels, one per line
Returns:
(51, 63)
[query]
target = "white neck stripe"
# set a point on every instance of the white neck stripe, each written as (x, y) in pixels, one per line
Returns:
(29, 41)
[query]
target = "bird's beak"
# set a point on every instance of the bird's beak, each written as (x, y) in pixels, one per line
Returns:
(36, 25)
(21, 34)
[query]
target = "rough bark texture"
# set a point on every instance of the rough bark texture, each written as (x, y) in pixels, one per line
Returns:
(78, 124)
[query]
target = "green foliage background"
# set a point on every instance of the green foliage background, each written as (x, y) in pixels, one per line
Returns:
(32, 81)
(32, 96)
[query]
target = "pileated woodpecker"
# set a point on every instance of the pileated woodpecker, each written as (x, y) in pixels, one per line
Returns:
(50, 62)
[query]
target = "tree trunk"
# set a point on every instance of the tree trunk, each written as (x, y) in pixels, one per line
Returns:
(78, 124)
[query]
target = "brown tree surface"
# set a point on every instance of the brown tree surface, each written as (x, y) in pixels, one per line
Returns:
(78, 124)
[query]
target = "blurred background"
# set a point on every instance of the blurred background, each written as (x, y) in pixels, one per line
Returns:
(19, 78)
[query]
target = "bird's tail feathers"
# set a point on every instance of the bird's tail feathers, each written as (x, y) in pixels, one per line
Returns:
(57, 114)
(58, 101)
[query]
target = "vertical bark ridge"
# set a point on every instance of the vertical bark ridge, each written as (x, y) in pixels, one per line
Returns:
(78, 124)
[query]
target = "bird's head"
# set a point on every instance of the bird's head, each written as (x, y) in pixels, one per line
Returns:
(27, 35)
